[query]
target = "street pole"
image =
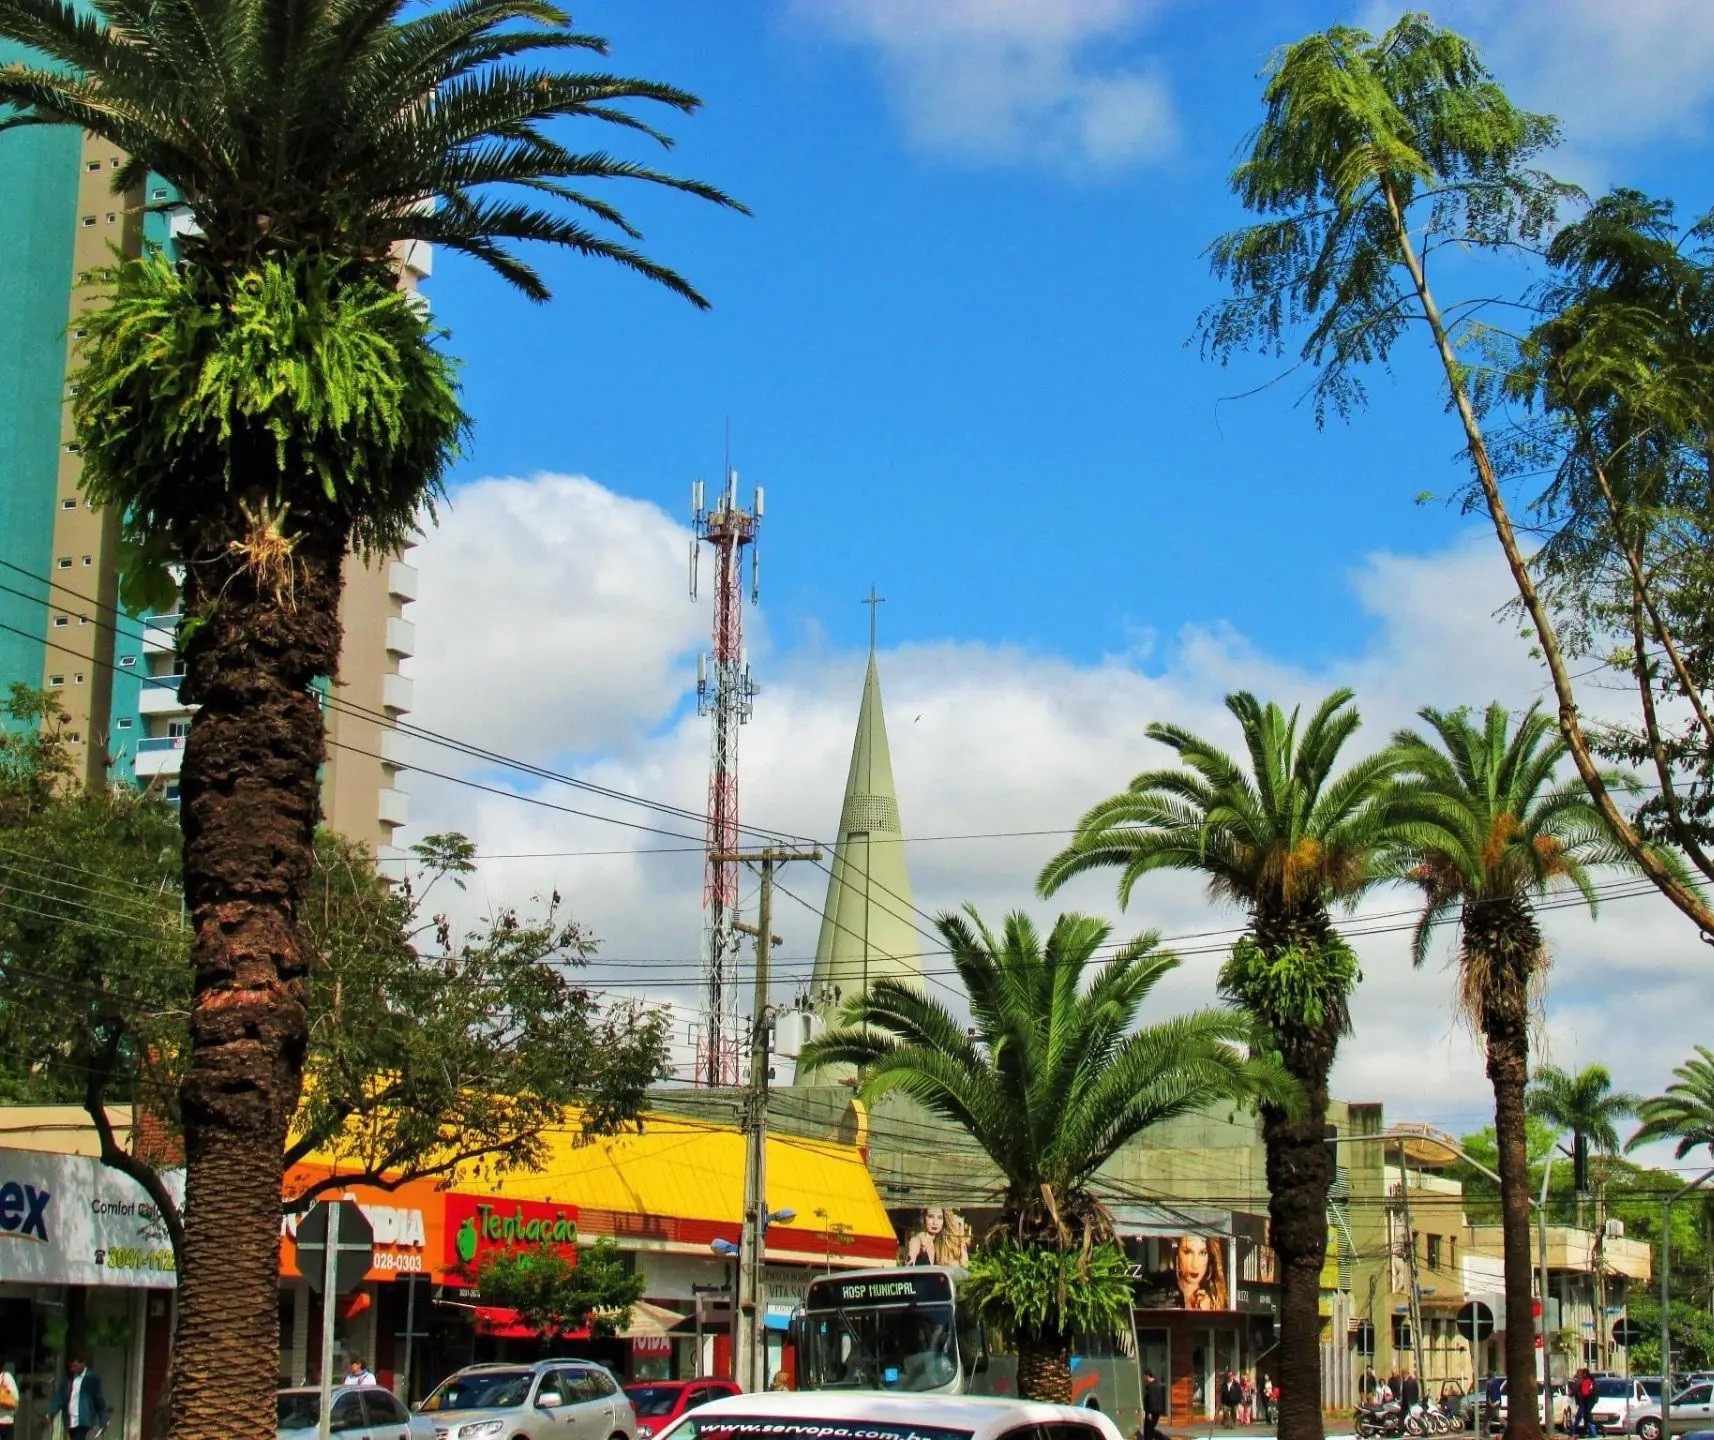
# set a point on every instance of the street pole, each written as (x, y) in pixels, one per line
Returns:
(410, 1331)
(1415, 1277)
(750, 1353)
(329, 1298)
(1541, 1250)
(1666, 1301)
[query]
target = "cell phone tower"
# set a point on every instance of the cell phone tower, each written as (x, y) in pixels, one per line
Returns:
(724, 691)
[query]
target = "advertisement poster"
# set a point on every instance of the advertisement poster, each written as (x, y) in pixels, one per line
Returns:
(69, 1220)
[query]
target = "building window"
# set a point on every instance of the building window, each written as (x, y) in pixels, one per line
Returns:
(74, 737)
(1434, 1252)
(68, 504)
(127, 660)
(113, 164)
(88, 222)
(158, 193)
(55, 681)
(93, 165)
(111, 217)
(123, 723)
(77, 679)
(74, 448)
(88, 560)
(83, 619)
(60, 621)
(79, 334)
(178, 729)
(64, 562)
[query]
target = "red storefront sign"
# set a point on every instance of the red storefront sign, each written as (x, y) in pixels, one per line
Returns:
(479, 1225)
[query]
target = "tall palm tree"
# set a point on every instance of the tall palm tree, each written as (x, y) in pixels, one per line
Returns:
(256, 412)
(1287, 838)
(1053, 1075)
(1685, 1112)
(1494, 829)
(1587, 1105)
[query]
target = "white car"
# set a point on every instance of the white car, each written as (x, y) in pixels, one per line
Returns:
(856, 1415)
(1616, 1397)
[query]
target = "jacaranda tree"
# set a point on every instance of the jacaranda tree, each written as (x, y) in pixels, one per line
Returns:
(260, 409)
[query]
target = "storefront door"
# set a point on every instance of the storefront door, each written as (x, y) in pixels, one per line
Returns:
(1154, 1353)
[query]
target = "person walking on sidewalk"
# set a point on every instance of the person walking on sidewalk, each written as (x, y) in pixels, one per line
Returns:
(1231, 1397)
(1154, 1405)
(1368, 1385)
(9, 1396)
(1265, 1398)
(78, 1402)
(1410, 1392)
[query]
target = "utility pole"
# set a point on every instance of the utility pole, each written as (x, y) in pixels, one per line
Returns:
(1666, 1300)
(1415, 1277)
(749, 1351)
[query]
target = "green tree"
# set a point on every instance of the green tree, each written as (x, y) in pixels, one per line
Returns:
(1286, 838)
(1494, 829)
(557, 1296)
(1692, 1337)
(1587, 1105)
(431, 1049)
(259, 410)
(1685, 1113)
(1614, 382)
(1374, 155)
(1050, 1078)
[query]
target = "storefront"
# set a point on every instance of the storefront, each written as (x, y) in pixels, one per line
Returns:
(1206, 1296)
(86, 1269)
(670, 1197)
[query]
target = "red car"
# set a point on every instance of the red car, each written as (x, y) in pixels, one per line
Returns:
(660, 1402)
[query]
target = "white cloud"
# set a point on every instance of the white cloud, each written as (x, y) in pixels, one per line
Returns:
(986, 741)
(1013, 80)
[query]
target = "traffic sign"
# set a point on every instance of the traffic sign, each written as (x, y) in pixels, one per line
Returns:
(353, 1253)
(1475, 1322)
(1627, 1332)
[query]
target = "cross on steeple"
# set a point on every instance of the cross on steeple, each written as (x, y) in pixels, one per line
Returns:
(873, 601)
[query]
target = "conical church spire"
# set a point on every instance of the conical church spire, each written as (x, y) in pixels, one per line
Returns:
(868, 928)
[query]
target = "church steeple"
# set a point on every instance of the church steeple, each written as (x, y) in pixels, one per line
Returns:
(868, 929)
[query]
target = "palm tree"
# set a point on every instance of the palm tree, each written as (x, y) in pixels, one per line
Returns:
(1051, 1078)
(1286, 838)
(1587, 1105)
(256, 412)
(1494, 828)
(1685, 1112)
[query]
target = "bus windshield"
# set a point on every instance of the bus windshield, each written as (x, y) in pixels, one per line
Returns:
(895, 1347)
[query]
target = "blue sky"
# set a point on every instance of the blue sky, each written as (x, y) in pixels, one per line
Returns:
(958, 361)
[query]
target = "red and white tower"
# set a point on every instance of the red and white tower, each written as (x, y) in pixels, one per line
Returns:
(724, 691)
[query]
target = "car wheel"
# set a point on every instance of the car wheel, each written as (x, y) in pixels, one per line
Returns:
(1648, 1429)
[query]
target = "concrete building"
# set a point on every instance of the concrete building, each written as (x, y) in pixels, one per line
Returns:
(868, 926)
(62, 627)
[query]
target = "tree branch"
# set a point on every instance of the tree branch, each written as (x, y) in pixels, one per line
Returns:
(116, 1157)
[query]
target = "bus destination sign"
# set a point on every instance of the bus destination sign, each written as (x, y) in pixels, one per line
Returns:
(897, 1288)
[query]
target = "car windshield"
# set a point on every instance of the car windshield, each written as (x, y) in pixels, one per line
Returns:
(1612, 1388)
(298, 1410)
(784, 1427)
(1651, 1388)
(653, 1401)
(899, 1347)
(482, 1390)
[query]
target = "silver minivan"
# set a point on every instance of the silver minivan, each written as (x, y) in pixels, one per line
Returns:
(545, 1400)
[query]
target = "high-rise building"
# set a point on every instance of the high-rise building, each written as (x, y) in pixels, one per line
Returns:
(62, 627)
(868, 924)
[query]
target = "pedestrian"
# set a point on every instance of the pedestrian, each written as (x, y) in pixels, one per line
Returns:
(1583, 1391)
(1393, 1385)
(1410, 1392)
(78, 1402)
(1154, 1405)
(1231, 1397)
(8, 1395)
(1265, 1398)
(1273, 1401)
(782, 1381)
(358, 1373)
(1368, 1384)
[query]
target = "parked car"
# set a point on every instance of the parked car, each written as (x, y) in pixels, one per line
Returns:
(360, 1412)
(1616, 1397)
(659, 1402)
(1692, 1409)
(1556, 1414)
(547, 1400)
(892, 1415)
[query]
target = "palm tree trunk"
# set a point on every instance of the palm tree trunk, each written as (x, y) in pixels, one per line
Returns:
(1501, 942)
(250, 801)
(1299, 1178)
(1044, 1367)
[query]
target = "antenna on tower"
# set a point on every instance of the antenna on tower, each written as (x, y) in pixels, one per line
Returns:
(725, 692)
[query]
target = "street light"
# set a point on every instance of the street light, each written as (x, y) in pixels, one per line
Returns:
(1666, 1301)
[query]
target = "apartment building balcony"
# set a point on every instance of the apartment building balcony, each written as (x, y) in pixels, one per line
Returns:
(396, 748)
(160, 634)
(396, 692)
(162, 755)
(159, 695)
(402, 581)
(401, 638)
(395, 807)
